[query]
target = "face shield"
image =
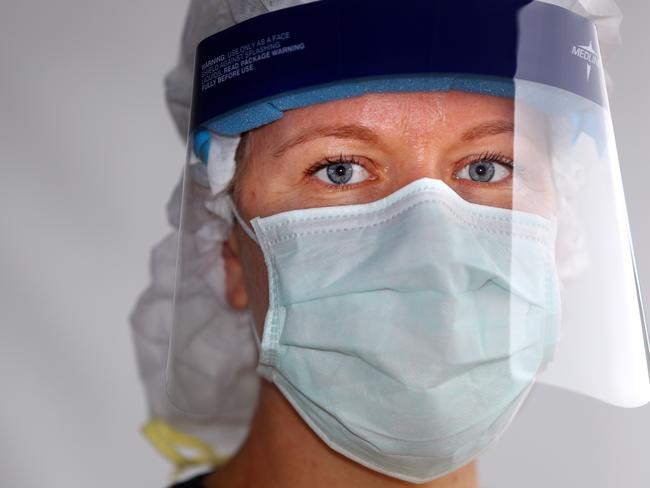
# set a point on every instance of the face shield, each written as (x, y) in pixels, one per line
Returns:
(482, 245)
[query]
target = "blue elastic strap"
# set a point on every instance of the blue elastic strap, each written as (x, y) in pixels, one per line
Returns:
(265, 112)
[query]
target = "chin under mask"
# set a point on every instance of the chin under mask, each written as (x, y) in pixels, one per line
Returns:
(407, 332)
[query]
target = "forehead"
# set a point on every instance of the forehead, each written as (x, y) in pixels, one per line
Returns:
(389, 112)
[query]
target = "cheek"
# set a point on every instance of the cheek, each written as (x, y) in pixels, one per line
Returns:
(534, 186)
(263, 189)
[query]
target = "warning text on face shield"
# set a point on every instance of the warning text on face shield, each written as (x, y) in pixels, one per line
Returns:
(243, 59)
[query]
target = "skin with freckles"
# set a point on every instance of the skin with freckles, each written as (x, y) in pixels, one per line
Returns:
(358, 151)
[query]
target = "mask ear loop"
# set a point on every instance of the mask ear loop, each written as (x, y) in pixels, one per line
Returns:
(256, 334)
(244, 225)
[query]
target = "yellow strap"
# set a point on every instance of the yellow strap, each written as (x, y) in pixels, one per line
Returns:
(169, 441)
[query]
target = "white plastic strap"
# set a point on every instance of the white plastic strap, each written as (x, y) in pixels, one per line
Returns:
(242, 222)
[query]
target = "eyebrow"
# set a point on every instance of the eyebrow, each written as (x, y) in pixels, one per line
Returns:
(365, 134)
(492, 128)
(358, 132)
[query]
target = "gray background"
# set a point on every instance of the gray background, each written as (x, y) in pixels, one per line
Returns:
(89, 156)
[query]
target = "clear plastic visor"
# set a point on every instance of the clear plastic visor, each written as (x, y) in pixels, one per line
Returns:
(539, 171)
(570, 171)
(553, 171)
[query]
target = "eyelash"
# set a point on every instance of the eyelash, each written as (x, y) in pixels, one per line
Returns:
(492, 157)
(341, 159)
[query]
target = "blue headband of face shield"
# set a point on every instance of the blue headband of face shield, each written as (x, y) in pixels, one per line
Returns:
(248, 75)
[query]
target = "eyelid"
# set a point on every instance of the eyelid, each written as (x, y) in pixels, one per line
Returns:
(493, 157)
(490, 156)
(314, 168)
(374, 170)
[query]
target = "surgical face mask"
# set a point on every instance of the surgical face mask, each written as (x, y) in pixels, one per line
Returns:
(407, 332)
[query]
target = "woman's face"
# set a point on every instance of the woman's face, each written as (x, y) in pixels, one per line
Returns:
(363, 149)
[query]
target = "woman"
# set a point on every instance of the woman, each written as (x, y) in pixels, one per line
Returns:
(406, 212)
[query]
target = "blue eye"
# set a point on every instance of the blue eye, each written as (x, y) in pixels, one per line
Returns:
(342, 173)
(484, 171)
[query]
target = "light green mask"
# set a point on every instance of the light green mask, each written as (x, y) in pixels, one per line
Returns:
(408, 331)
